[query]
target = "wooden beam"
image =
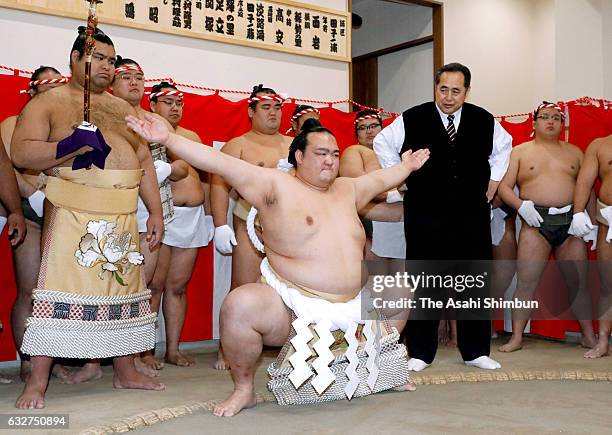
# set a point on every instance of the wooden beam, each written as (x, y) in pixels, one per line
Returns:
(365, 81)
(393, 49)
(430, 4)
(438, 34)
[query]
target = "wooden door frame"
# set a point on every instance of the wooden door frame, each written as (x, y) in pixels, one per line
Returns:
(437, 37)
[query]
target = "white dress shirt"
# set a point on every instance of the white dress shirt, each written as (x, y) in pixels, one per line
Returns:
(388, 144)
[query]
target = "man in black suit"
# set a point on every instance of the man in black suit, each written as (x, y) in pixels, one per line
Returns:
(446, 208)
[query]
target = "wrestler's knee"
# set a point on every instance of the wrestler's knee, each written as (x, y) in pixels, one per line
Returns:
(156, 285)
(241, 303)
(176, 287)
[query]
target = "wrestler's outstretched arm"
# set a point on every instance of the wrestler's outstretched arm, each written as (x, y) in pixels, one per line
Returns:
(352, 166)
(30, 147)
(252, 182)
(369, 185)
(9, 196)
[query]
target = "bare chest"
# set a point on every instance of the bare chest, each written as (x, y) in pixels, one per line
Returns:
(548, 164)
(266, 155)
(605, 161)
(109, 119)
(303, 219)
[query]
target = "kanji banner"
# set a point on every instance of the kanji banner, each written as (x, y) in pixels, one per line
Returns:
(280, 25)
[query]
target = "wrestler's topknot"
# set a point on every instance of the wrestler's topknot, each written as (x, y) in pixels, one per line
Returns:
(161, 85)
(301, 108)
(125, 61)
(260, 89)
(79, 42)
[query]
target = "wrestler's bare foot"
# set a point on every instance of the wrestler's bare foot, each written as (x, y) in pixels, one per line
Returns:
(588, 342)
(89, 372)
(145, 369)
(150, 360)
(601, 349)
(178, 359)
(221, 364)
(26, 369)
(136, 381)
(515, 343)
(405, 387)
(33, 396)
(452, 342)
(61, 373)
(239, 400)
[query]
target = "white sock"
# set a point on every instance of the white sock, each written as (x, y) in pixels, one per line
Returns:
(484, 362)
(2, 223)
(416, 365)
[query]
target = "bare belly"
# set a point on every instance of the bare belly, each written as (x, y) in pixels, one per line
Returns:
(187, 192)
(605, 193)
(122, 155)
(327, 273)
(541, 192)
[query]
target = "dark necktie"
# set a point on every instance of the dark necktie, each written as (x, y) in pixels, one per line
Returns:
(450, 128)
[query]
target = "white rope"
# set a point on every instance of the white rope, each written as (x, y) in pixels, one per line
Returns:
(251, 230)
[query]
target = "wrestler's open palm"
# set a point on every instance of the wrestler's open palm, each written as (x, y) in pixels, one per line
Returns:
(150, 128)
(415, 160)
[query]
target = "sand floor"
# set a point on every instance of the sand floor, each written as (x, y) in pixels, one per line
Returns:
(451, 397)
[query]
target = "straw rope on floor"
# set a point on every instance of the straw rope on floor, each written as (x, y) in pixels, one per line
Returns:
(438, 374)
(152, 417)
(191, 393)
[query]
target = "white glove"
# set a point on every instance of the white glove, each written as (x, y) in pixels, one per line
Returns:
(162, 170)
(224, 239)
(37, 200)
(498, 225)
(592, 237)
(581, 224)
(530, 214)
(284, 165)
(394, 196)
